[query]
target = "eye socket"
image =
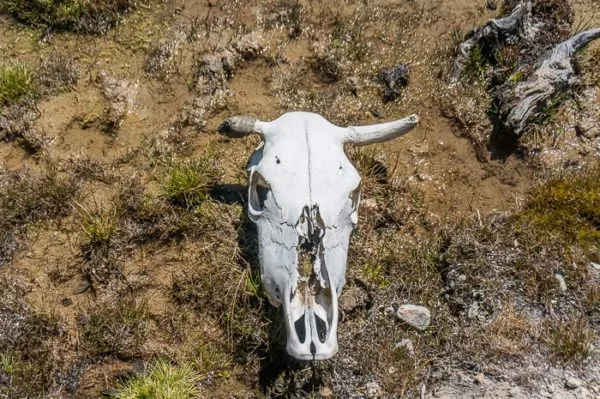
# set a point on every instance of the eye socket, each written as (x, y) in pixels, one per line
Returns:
(258, 192)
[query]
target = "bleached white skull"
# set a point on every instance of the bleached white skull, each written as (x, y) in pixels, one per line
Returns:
(303, 196)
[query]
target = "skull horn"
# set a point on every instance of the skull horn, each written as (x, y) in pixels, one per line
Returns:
(363, 135)
(240, 126)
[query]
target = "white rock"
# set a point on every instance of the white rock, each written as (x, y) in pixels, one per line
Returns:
(479, 378)
(573, 383)
(416, 316)
(372, 390)
(561, 282)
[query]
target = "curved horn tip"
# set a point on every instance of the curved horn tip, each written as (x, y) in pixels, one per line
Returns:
(237, 126)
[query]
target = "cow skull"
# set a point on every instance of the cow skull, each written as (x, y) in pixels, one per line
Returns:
(303, 196)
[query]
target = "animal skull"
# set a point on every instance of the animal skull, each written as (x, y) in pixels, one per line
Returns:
(303, 196)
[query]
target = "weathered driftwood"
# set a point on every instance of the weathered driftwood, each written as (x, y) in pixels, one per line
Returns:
(518, 23)
(555, 73)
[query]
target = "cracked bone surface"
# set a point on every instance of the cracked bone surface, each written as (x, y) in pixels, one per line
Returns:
(303, 196)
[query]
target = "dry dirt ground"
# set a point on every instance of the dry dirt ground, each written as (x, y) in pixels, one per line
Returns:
(117, 270)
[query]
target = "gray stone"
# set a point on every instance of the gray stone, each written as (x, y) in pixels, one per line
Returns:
(561, 282)
(372, 390)
(573, 383)
(416, 316)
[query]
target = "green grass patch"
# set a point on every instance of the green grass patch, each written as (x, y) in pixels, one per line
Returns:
(187, 183)
(567, 207)
(16, 82)
(98, 227)
(86, 16)
(165, 381)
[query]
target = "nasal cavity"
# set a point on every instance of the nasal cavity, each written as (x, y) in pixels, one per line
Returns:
(300, 327)
(321, 329)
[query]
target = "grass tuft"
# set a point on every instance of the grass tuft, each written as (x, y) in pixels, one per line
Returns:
(165, 381)
(98, 227)
(16, 83)
(188, 183)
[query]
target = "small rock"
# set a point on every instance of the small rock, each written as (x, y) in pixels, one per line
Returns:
(479, 378)
(513, 392)
(326, 392)
(369, 203)
(416, 316)
(394, 79)
(389, 310)
(407, 345)
(491, 5)
(353, 298)
(372, 390)
(66, 302)
(561, 282)
(595, 265)
(573, 383)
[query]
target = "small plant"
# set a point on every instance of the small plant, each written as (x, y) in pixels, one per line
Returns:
(98, 227)
(16, 82)
(476, 67)
(165, 381)
(210, 359)
(187, 183)
(571, 341)
(375, 275)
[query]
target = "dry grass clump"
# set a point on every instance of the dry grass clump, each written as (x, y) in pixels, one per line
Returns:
(570, 341)
(164, 381)
(30, 342)
(26, 198)
(56, 74)
(115, 327)
(84, 16)
(285, 15)
(221, 289)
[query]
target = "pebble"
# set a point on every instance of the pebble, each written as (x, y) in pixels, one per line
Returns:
(415, 316)
(561, 282)
(479, 378)
(372, 390)
(573, 383)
